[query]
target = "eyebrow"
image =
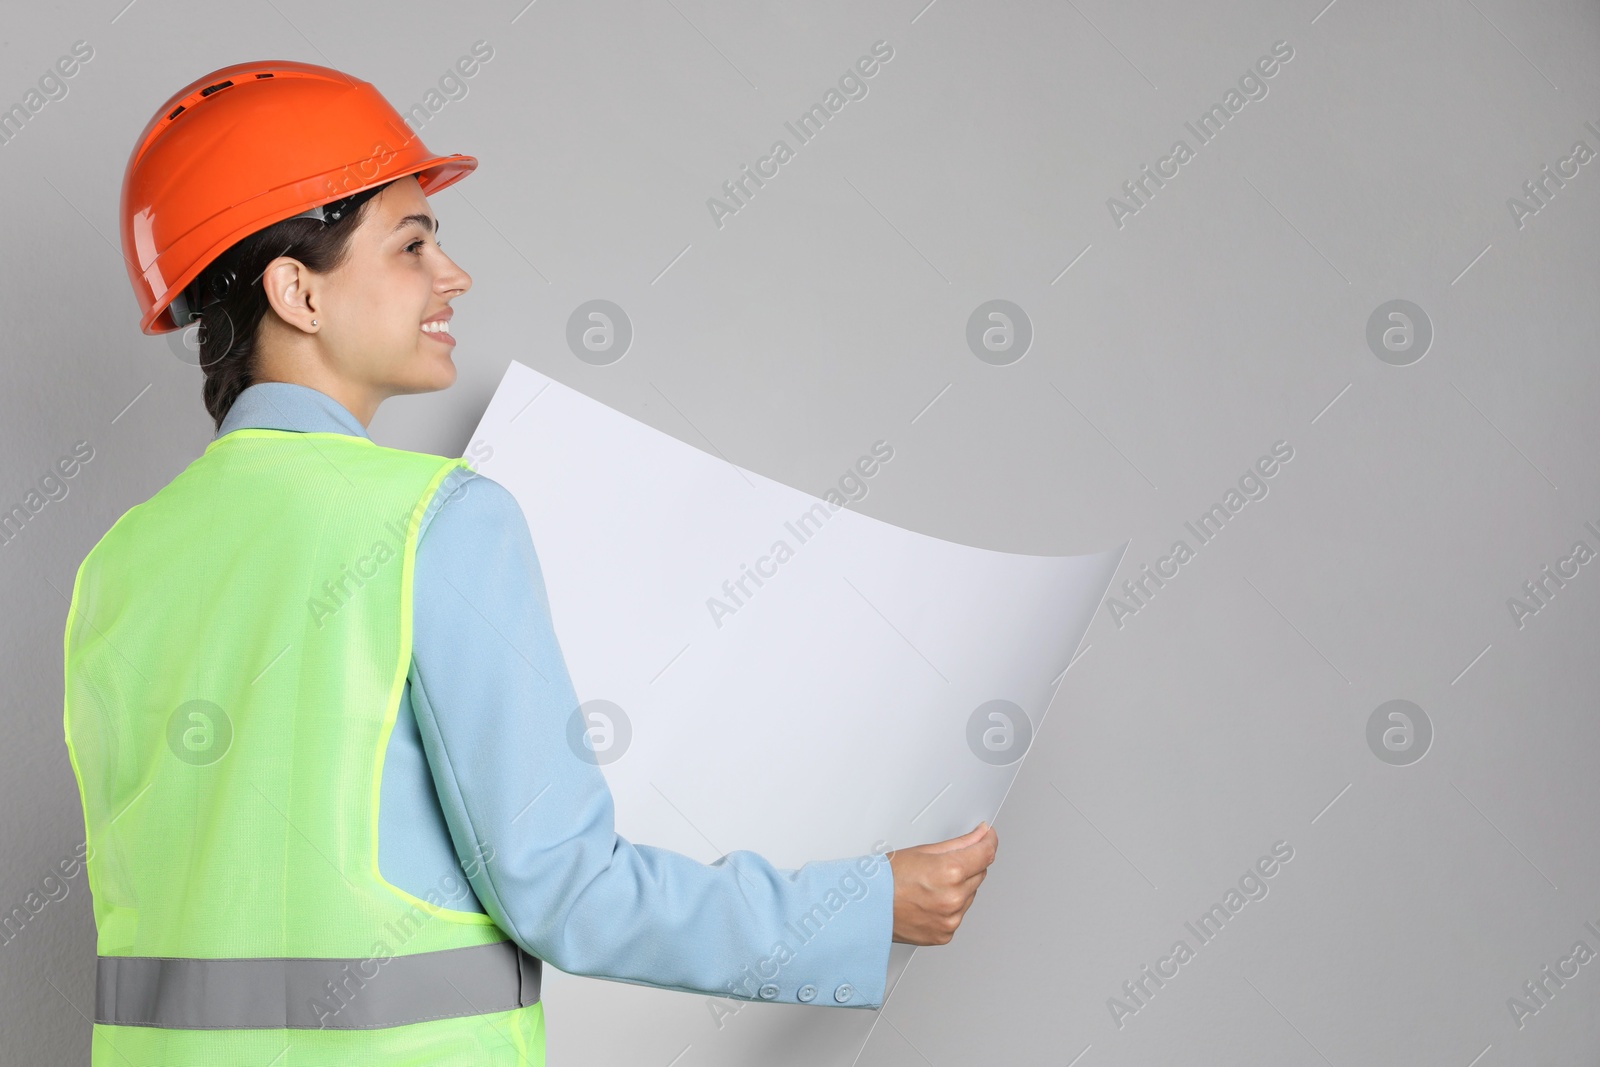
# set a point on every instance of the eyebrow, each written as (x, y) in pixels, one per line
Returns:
(422, 220)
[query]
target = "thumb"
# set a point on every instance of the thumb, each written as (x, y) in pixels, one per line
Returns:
(966, 840)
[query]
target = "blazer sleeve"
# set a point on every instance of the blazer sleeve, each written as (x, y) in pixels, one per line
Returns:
(492, 700)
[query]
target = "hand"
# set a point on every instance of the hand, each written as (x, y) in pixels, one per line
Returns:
(934, 884)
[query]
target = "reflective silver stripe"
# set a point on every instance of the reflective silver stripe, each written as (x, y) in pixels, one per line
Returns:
(312, 994)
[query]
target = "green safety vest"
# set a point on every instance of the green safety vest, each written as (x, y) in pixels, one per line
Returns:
(234, 656)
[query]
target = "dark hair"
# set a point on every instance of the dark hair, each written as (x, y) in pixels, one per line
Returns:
(232, 301)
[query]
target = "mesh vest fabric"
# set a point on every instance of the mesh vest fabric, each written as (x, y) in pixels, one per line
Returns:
(234, 657)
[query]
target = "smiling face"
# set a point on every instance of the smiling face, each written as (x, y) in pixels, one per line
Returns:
(370, 341)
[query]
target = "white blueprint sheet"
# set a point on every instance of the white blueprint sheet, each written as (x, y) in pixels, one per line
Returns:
(830, 709)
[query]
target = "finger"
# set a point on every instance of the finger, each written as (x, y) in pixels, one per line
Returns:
(973, 875)
(972, 881)
(973, 835)
(964, 871)
(966, 904)
(963, 841)
(975, 856)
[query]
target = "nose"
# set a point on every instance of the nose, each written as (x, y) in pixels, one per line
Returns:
(452, 279)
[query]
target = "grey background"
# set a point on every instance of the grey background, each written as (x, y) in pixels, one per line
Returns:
(1231, 312)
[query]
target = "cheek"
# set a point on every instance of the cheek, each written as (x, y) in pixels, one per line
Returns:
(386, 318)
(396, 310)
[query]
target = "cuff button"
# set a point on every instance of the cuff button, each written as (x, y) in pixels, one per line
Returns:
(769, 991)
(807, 993)
(843, 993)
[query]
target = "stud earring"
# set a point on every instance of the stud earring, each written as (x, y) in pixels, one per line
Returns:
(313, 322)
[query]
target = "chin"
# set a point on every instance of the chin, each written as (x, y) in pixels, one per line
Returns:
(438, 371)
(428, 376)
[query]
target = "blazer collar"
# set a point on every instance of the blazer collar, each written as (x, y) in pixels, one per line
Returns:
(289, 406)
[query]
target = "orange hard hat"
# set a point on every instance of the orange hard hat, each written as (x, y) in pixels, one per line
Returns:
(247, 146)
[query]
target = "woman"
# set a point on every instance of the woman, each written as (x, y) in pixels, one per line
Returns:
(314, 699)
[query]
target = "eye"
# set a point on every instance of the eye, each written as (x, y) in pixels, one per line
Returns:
(420, 241)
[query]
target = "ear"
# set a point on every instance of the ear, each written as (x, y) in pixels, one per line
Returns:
(291, 290)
